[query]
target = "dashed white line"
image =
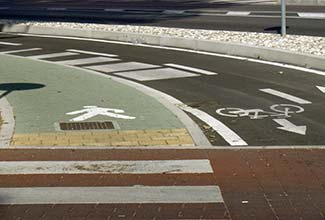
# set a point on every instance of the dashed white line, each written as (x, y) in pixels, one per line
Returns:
(238, 13)
(52, 55)
(196, 70)
(105, 167)
(56, 9)
(10, 44)
(311, 15)
(226, 133)
(286, 96)
(111, 195)
(20, 51)
(92, 53)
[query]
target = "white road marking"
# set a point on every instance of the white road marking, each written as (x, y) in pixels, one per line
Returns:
(56, 9)
(92, 53)
(228, 135)
(311, 15)
(238, 13)
(86, 61)
(10, 44)
(111, 195)
(114, 10)
(205, 72)
(105, 167)
(285, 96)
(127, 66)
(155, 74)
(20, 51)
(52, 55)
(290, 127)
(173, 12)
(321, 88)
(92, 111)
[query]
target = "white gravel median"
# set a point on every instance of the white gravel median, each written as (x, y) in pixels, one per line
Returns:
(293, 43)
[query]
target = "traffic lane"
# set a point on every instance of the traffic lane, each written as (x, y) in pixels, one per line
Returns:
(218, 92)
(298, 26)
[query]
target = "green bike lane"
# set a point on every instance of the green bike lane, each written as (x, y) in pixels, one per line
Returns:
(41, 94)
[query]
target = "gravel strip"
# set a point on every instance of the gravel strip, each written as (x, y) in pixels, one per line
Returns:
(293, 43)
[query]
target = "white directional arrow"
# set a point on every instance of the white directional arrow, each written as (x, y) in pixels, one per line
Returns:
(321, 88)
(288, 126)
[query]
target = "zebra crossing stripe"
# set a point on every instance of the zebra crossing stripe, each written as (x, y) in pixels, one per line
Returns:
(110, 195)
(10, 44)
(105, 167)
(20, 51)
(155, 74)
(91, 53)
(196, 70)
(52, 55)
(87, 61)
(125, 66)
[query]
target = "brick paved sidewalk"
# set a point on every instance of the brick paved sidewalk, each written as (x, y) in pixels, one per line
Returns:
(159, 137)
(286, 184)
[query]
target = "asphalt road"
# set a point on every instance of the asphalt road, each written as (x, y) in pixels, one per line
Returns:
(181, 14)
(274, 106)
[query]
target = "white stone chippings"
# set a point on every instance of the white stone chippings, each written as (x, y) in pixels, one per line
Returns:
(294, 43)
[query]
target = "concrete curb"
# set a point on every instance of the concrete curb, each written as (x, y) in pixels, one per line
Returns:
(304, 2)
(8, 126)
(268, 54)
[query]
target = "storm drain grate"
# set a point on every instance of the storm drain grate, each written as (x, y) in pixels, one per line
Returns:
(73, 126)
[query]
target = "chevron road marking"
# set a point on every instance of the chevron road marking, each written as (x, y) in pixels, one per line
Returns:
(91, 53)
(20, 51)
(197, 70)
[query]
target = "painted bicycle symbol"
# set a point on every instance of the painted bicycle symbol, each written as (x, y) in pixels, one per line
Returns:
(277, 110)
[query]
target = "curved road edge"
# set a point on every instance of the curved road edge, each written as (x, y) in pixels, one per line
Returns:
(260, 53)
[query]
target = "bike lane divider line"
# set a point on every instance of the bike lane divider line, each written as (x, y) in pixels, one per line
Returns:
(285, 96)
(10, 44)
(52, 55)
(226, 133)
(105, 167)
(196, 70)
(92, 53)
(20, 51)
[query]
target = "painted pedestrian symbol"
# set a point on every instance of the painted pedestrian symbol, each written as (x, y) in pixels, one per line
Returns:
(92, 111)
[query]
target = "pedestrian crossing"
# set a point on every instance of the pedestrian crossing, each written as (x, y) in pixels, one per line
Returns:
(112, 64)
(112, 178)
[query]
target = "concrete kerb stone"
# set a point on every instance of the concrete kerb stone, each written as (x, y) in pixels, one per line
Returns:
(8, 125)
(268, 54)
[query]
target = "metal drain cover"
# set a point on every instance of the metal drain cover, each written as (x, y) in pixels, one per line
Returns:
(75, 126)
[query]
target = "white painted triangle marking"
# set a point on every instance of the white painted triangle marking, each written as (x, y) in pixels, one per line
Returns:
(290, 127)
(321, 88)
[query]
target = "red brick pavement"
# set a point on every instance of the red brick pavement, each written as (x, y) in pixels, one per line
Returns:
(285, 184)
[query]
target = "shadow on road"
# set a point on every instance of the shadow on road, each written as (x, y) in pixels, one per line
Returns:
(10, 87)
